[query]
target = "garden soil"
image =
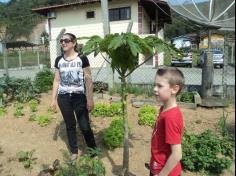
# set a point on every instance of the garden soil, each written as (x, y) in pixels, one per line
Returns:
(20, 134)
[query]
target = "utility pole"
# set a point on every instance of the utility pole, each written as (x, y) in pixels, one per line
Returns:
(208, 71)
(106, 29)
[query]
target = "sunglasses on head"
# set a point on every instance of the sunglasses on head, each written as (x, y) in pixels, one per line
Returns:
(65, 40)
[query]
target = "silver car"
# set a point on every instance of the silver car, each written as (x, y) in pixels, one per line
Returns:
(218, 58)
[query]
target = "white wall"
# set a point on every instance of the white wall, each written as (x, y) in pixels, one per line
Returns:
(74, 20)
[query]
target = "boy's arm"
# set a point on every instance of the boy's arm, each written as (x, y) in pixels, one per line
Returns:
(174, 158)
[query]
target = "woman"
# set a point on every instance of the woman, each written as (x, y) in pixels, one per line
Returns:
(73, 90)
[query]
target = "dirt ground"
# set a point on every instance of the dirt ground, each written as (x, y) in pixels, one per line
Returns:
(23, 135)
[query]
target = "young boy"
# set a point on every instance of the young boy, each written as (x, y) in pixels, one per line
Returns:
(166, 150)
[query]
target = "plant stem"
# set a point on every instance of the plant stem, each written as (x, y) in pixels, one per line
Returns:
(126, 129)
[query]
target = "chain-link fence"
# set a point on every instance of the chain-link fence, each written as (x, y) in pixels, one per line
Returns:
(23, 58)
(224, 78)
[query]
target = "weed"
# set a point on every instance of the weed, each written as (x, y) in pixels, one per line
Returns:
(2, 111)
(18, 110)
(33, 105)
(85, 166)
(26, 158)
(43, 120)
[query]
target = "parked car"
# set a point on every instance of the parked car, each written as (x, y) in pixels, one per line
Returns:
(187, 60)
(218, 58)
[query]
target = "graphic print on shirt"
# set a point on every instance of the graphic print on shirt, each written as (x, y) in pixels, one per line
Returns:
(71, 75)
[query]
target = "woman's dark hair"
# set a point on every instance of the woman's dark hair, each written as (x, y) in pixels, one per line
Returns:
(74, 40)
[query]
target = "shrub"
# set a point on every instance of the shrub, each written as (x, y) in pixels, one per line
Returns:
(147, 115)
(85, 166)
(187, 97)
(106, 110)
(99, 86)
(114, 134)
(21, 90)
(207, 151)
(44, 80)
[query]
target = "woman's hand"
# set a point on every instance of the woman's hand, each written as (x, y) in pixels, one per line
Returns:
(53, 105)
(90, 105)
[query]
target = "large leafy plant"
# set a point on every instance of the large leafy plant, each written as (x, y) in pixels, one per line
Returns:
(123, 51)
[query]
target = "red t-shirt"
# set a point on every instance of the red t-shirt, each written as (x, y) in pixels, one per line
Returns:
(168, 130)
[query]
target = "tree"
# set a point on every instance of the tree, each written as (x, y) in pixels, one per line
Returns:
(124, 50)
(180, 26)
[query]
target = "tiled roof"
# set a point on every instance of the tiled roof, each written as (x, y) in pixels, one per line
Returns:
(44, 10)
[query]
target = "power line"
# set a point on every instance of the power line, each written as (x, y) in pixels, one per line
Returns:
(171, 16)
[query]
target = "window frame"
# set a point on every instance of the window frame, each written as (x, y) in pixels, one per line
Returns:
(119, 18)
(92, 11)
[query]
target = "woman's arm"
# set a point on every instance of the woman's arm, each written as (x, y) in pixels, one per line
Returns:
(89, 88)
(174, 158)
(56, 83)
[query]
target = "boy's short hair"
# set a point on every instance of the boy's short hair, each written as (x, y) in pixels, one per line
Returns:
(173, 75)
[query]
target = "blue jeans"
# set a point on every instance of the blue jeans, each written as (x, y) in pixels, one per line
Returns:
(74, 106)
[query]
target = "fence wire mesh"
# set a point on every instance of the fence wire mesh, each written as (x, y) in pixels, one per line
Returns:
(28, 61)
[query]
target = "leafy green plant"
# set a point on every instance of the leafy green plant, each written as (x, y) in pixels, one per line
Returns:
(33, 105)
(85, 166)
(44, 80)
(43, 120)
(187, 97)
(114, 134)
(107, 110)
(147, 115)
(26, 157)
(18, 110)
(206, 151)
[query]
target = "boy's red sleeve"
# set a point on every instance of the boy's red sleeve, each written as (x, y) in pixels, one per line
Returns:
(173, 129)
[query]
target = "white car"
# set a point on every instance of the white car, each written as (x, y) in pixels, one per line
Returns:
(187, 60)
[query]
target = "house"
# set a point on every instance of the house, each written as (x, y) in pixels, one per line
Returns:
(217, 41)
(84, 18)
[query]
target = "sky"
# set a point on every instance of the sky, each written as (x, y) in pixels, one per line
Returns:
(4, 0)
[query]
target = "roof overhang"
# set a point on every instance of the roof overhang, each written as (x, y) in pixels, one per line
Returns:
(164, 12)
(152, 5)
(45, 10)
(19, 44)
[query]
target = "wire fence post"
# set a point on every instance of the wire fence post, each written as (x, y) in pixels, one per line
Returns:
(38, 59)
(5, 62)
(20, 59)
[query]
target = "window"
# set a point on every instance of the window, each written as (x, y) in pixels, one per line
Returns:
(91, 14)
(120, 14)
